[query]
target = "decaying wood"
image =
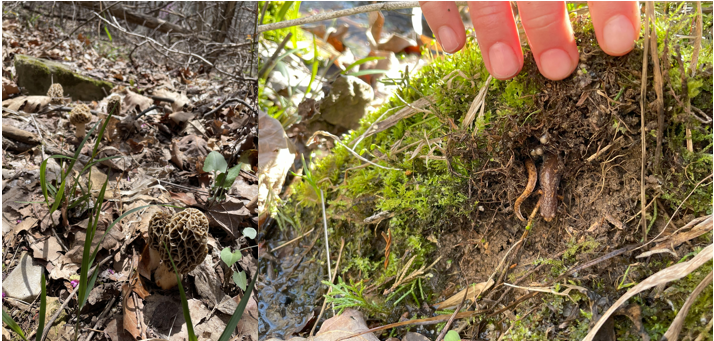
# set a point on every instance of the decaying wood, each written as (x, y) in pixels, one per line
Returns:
(17, 134)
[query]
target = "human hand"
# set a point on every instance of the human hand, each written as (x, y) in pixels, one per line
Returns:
(547, 26)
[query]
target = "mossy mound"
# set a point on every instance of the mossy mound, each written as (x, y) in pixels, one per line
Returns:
(450, 189)
(36, 76)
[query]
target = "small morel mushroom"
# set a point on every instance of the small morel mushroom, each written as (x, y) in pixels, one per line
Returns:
(114, 105)
(186, 236)
(55, 93)
(79, 117)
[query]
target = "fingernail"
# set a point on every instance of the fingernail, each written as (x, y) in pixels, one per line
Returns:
(555, 64)
(447, 39)
(618, 35)
(503, 61)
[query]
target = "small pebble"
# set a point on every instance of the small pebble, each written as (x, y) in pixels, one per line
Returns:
(544, 139)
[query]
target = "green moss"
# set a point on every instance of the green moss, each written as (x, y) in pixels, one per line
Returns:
(36, 76)
(429, 193)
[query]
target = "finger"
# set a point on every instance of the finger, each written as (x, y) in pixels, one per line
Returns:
(444, 20)
(550, 37)
(617, 25)
(497, 37)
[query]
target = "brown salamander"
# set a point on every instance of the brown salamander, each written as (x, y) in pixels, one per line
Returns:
(532, 178)
(549, 181)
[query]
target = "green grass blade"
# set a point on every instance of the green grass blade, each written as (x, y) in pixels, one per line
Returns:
(96, 250)
(184, 301)
(11, 323)
(233, 322)
(90, 286)
(43, 308)
(314, 67)
(360, 62)
(86, 260)
(283, 10)
(366, 72)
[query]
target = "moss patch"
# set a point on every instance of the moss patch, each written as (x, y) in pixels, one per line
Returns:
(36, 75)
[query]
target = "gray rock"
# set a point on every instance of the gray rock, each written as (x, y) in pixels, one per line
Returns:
(23, 283)
(347, 102)
(36, 75)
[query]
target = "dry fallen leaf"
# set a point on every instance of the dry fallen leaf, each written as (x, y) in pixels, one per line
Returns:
(345, 324)
(474, 291)
(181, 102)
(669, 274)
(28, 104)
(275, 157)
(132, 315)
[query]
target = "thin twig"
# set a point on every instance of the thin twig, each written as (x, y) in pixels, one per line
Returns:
(643, 137)
(384, 6)
(100, 319)
(327, 240)
(80, 26)
(228, 101)
(332, 280)
(451, 320)
(337, 139)
(275, 55)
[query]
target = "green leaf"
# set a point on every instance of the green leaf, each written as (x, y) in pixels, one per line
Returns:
(452, 335)
(233, 322)
(215, 162)
(43, 308)
(315, 65)
(240, 279)
(250, 232)
(232, 175)
(229, 257)
(11, 323)
(366, 72)
(108, 34)
(362, 61)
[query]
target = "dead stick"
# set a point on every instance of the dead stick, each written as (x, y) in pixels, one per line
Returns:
(643, 137)
(272, 59)
(384, 6)
(101, 317)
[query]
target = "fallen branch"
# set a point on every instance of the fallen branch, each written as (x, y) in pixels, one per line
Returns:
(384, 6)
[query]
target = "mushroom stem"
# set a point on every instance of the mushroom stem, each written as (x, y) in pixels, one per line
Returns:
(80, 130)
(165, 277)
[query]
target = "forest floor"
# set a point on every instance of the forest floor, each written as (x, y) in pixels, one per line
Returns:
(159, 164)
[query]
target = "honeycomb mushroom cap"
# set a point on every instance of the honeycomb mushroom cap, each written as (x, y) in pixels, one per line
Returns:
(113, 102)
(80, 115)
(187, 239)
(55, 92)
(157, 228)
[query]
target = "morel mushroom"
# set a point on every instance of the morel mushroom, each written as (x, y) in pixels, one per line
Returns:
(79, 117)
(55, 93)
(186, 237)
(157, 228)
(114, 105)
